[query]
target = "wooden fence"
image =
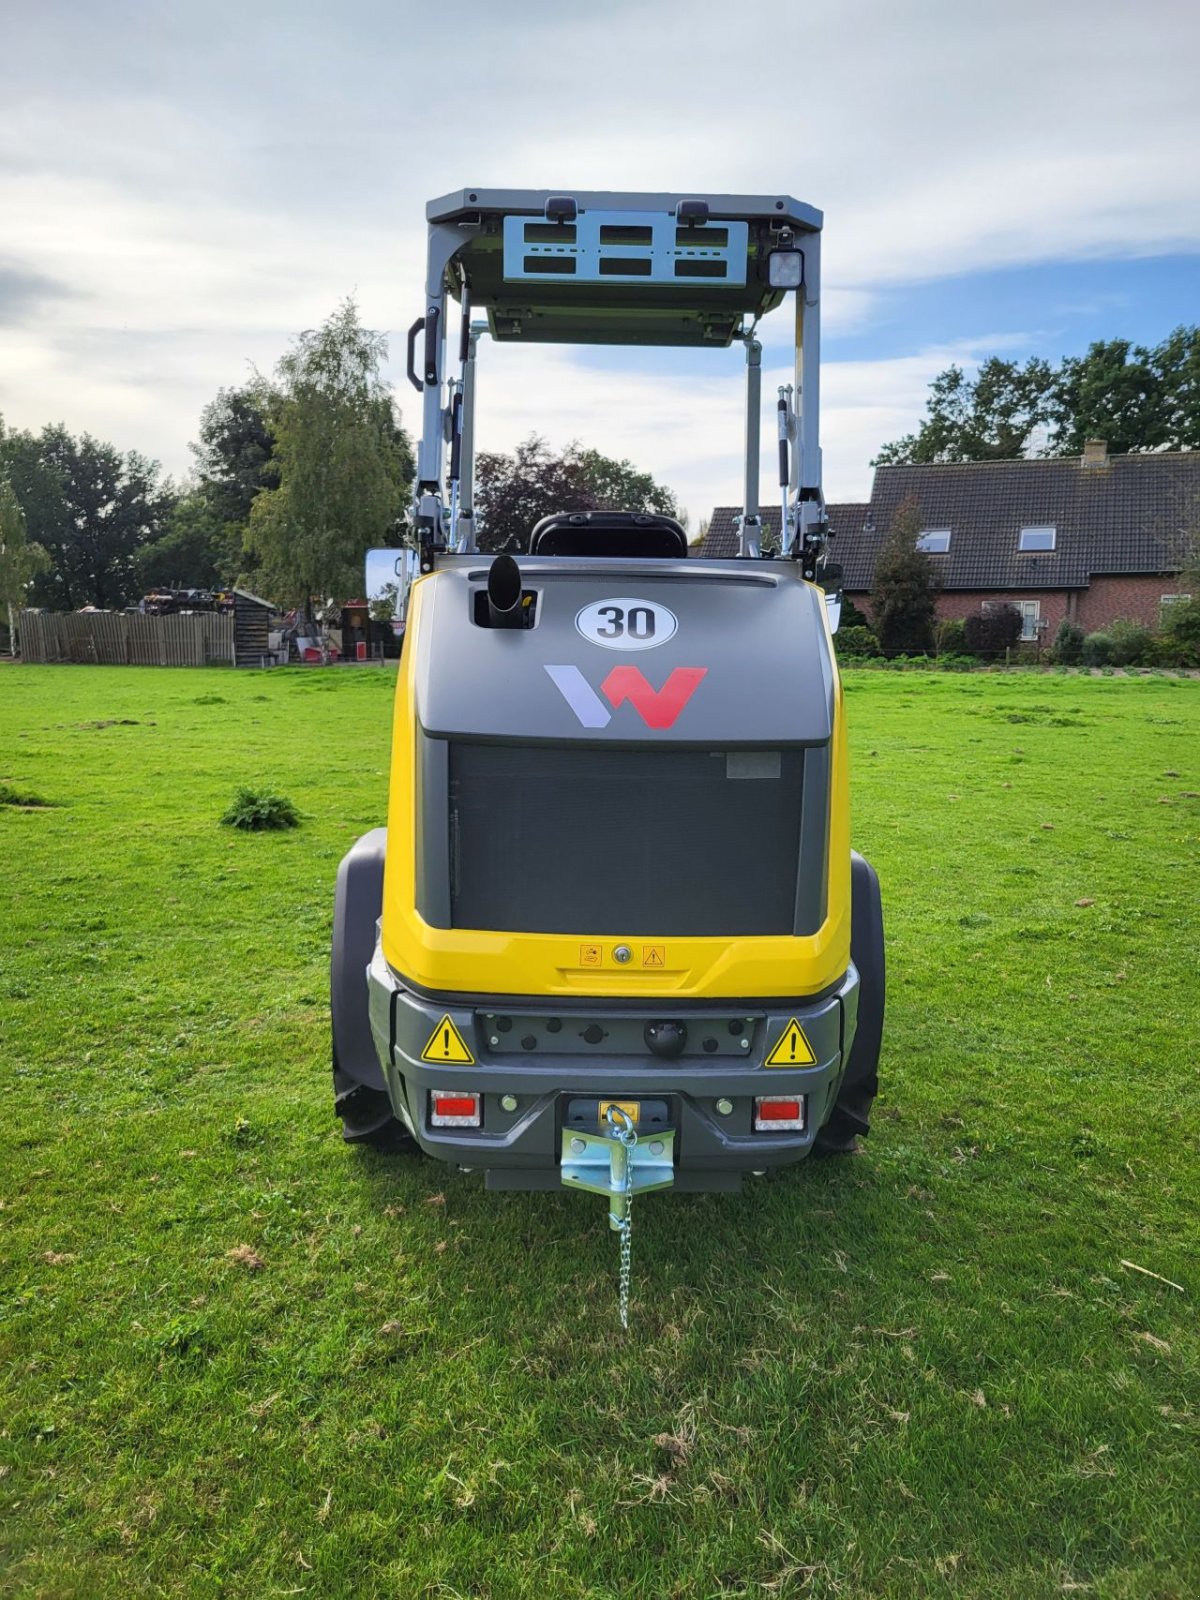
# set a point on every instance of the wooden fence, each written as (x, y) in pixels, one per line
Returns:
(126, 638)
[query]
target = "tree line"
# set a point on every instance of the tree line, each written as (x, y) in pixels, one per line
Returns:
(298, 474)
(1134, 397)
(295, 477)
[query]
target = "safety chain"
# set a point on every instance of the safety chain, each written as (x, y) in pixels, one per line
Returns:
(624, 1130)
(626, 1254)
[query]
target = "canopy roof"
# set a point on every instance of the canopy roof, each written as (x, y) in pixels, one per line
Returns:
(617, 268)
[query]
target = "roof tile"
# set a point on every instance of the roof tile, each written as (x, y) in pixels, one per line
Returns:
(1131, 515)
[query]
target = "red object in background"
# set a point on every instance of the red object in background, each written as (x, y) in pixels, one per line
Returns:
(312, 654)
(360, 651)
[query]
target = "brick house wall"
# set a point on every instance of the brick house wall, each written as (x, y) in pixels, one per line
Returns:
(1137, 599)
(962, 603)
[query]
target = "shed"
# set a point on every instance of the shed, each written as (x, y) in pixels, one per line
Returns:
(251, 622)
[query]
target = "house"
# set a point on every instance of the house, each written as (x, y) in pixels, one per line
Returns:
(1087, 538)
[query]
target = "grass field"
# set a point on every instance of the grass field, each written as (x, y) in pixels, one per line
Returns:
(241, 1359)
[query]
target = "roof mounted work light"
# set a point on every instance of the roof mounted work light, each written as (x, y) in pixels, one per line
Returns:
(785, 269)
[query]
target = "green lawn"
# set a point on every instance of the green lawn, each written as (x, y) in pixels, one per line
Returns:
(240, 1359)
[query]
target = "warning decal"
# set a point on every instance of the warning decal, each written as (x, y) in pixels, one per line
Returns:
(654, 955)
(792, 1049)
(447, 1047)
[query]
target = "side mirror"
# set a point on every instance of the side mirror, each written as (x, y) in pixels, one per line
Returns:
(387, 576)
(829, 576)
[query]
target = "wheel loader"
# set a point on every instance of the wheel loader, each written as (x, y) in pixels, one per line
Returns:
(614, 936)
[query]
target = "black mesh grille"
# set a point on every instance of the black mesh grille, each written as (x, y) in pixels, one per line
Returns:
(546, 839)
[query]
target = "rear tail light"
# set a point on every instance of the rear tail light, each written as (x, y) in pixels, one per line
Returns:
(453, 1108)
(778, 1113)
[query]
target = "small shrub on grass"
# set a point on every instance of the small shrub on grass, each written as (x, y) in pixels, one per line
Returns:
(1068, 644)
(991, 633)
(1132, 643)
(1181, 632)
(258, 810)
(856, 642)
(9, 796)
(1097, 650)
(950, 637)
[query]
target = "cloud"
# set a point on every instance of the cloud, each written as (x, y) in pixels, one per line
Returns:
(689, 430)
(23, 292)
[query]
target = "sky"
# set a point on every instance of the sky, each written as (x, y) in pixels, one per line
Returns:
(183, 189)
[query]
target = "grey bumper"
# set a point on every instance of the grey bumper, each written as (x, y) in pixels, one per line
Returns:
(544, 1054)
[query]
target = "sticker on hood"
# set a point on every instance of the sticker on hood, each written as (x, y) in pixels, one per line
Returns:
(626, 623)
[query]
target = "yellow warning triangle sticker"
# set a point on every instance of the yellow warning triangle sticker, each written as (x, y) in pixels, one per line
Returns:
(447, 1047)
(792, 1049)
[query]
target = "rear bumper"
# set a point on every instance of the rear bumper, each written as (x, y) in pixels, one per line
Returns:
(544, 1053)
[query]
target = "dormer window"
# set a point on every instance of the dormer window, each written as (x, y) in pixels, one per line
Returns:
(1036, 541)
(934, 541)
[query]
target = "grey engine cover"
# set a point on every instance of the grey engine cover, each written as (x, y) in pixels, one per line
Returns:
(757, 634)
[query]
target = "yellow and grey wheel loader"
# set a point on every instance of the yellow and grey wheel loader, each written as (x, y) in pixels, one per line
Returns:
(614, 936)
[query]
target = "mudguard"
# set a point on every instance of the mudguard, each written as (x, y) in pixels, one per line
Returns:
(357, 901)
(852, 1111)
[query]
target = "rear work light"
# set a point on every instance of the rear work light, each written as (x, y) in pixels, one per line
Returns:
(453, 1108)
(778, 1113)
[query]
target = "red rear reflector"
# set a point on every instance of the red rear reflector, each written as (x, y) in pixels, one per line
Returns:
(773, 1113)
(452, 1108)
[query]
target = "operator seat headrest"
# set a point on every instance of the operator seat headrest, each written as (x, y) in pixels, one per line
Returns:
(609, 533)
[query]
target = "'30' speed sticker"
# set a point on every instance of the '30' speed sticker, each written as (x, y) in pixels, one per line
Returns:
(626, 623)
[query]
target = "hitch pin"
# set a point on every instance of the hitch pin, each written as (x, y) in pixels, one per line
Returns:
(624, 1137)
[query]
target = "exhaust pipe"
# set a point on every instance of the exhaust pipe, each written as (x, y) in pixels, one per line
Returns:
(504, 594)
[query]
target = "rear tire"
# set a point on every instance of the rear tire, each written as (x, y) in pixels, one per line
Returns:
(360, 1096)
(367, 1117)
(851, 1114)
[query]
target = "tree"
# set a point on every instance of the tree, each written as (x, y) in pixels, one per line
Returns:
(385, 606)
(235, 454)
(992, 632)
(514, 492)
(1181, 619)
(196, 550)
(91, 509)
(1133, 397)
(202, 545)
(345, 464)
(904, 586)
(1177, 360)
(619, 486)
(20, 561)
(991, 419)
(1114, 392)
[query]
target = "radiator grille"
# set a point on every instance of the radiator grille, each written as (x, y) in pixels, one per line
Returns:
(699, 843)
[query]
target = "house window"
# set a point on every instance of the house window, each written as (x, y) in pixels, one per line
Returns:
(1031, 620)
(1166, 602)
(934, 541)
(1034, 540)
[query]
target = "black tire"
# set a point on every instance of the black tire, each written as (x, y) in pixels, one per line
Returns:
(367, 1116)
(851, 1114)
(360, 1097)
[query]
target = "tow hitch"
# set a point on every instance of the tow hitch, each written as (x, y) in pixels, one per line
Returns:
(615, 1163)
